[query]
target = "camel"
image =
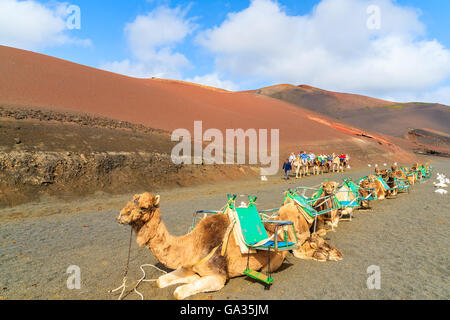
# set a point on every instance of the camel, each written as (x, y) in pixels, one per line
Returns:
(318, 167)
(411, 178)
(415, 169)
(372, 182)
(310, 245)
(336, 165)
(345, 194)
(383, 173)
(364, 191)
(332, 217)
(328, 165)
(196, 257)
(297, 165)
(392, 184)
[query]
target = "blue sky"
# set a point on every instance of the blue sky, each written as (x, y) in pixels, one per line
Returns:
(241, 45)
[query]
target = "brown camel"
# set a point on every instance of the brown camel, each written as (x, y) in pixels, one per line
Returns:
(373, 182)
(310, 245)
(392, 184)
(297, 164)
(411, 178)
(336, 164)
(196, 257)
(332, 217)
(383, 173)
(364, 191)
(318, 167)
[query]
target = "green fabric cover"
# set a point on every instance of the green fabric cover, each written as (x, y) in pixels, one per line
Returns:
(251, 225)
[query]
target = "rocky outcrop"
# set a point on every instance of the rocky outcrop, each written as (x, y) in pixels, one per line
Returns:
(26, 176)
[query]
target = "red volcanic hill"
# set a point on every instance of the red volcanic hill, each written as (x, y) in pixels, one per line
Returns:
(320, 100)
(39, 81)
(375, 115)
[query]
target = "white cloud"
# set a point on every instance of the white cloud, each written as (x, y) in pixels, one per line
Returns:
(213, 80)
(31, 25)
(330, 48)
(151, 39)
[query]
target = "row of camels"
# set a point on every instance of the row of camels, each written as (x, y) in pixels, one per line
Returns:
(207, 257)
(303, 167)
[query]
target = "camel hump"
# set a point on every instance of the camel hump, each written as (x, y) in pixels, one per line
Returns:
(212, 230)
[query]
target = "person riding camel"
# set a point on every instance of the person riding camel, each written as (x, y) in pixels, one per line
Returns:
(342, 157)
(292, 157)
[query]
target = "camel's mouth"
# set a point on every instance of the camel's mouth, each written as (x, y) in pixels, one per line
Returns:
(121, 221)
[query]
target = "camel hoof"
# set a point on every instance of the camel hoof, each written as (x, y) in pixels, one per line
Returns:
(179, 294)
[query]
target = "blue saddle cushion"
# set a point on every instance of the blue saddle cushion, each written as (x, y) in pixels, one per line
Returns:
(281, 244)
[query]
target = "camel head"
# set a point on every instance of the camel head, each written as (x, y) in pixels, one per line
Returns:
(329, 187)
(381, 172)
(394, 168)
(378, 171)
(365, 185)
(140, 209)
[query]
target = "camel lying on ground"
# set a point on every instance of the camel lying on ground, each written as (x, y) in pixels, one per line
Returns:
(411, 178)
(196, 257)
(372, 182)
(332, 217)
(310, 245)
(383, 173)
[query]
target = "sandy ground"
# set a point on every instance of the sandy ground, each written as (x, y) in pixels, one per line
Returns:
(407, 237)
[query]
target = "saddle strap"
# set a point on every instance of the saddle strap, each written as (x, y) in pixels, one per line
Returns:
(226, 238)
(205, 259)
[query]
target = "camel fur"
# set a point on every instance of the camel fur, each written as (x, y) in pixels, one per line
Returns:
(185, 254)
(310, 245)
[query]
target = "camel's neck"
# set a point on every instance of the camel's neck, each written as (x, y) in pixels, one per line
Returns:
(169, 250)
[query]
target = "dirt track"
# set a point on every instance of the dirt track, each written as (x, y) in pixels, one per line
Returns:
(407, 237)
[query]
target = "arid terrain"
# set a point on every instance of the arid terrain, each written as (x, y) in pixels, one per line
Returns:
(76, 143)
(390, 119)
(406, 237)
(107, 133)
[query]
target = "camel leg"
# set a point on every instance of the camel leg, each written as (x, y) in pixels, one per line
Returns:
(204, 284)
(176, 277)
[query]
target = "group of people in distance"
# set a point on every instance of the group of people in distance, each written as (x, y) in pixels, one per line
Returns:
(310, 159)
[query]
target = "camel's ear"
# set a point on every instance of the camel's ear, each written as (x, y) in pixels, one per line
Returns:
(156, 200)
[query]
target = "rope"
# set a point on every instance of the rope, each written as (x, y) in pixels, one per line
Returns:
(146, 280)
(124, 281)
(142, 279)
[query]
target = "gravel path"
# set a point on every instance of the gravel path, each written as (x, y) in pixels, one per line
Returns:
(407, 237)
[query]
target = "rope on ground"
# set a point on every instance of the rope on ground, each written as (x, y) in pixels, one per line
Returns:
(142, 279)
(146, 280)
